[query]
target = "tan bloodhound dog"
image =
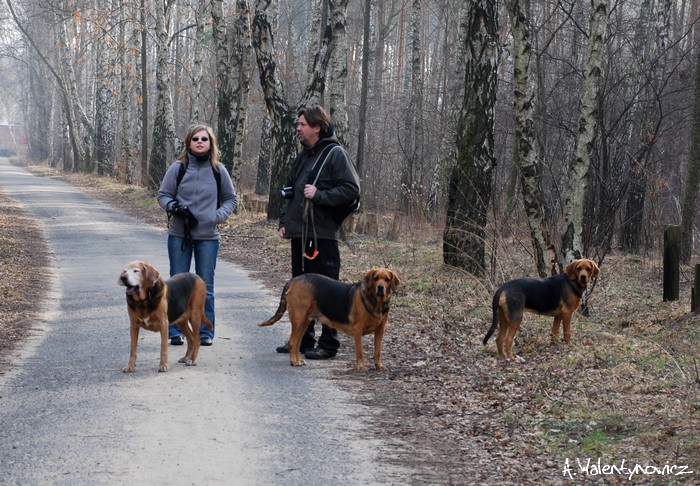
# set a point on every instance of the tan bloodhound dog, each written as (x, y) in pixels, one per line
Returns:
(154, 303)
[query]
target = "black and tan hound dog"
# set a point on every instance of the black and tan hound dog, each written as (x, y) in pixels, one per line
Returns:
(558, 296)
(354, 309)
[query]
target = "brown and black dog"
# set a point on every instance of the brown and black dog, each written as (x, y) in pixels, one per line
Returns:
(558, 296)
(154, 303)
(354, 309)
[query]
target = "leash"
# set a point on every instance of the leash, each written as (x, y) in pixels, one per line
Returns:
(304, 232)
(187, 242)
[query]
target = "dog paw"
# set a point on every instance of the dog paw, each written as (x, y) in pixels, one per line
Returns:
(189, 362)
(301, 362)
(379, 366)
(129, 369)
(163, 368)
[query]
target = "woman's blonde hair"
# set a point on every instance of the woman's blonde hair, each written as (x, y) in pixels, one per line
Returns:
(213, 150)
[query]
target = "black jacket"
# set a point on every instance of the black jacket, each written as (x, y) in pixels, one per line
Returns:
(337, 184)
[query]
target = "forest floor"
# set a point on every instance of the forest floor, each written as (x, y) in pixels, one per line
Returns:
(620, 405)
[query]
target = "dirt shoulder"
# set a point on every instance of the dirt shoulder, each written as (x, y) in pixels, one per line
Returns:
(627, 389)
(24, 262)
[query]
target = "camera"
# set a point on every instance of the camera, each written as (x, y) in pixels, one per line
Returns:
(287, 192)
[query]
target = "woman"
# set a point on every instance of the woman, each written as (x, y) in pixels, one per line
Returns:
(198, 193)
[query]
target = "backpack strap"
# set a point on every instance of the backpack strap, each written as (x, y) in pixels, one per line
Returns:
(217, 176)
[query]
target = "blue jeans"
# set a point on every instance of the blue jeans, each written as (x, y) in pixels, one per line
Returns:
(205, 253)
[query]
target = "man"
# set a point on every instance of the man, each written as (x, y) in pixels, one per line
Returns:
(322, 176)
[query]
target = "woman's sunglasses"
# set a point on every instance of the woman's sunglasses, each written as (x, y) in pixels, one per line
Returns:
(197, 139)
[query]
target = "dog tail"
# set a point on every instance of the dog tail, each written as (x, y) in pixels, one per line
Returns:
(494, 322)
(207, 322)
(280, 310)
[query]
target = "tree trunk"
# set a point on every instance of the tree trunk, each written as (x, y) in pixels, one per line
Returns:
(408, 195)
(233, 65)
(143, 72)
(454, 85)
(245, 53)
(364, 89)
(632, 221)
(226, 100)
(282, 115)
(125, 141)
(527, 152)
(72, 158)
(262, 181)
(690, 195)
(338, 109)
(571, 247)
(104, 127)
(470, 184)
(200, 16)
(38, 142)
(164, 136)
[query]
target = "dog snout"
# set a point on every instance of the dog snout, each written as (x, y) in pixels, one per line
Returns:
(381, 290)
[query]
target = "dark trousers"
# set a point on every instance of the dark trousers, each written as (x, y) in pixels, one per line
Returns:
(327, 263)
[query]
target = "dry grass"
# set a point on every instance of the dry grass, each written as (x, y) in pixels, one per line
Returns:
(628, 388)
(23, 271)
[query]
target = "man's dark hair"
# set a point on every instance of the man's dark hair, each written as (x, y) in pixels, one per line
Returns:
(316, 116)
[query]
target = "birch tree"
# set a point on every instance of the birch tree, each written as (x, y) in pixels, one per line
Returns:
(282, 113)
(571, 246)
(364, 87)
(200, 17)
(413, 115)
(527, 152)
(125, 100)
(232, 67)
(244, 47)
(338, 110)
(454, 82)
(164, 136)
(104, 76)
(75, 159)
(142, 95)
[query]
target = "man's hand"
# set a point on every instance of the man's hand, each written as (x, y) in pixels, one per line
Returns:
(309, 191)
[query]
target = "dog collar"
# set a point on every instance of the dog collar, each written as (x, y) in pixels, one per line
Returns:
(577, 289)
(155, 294)
(368, 308)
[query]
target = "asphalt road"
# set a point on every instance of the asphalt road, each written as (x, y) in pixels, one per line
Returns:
(69, 415)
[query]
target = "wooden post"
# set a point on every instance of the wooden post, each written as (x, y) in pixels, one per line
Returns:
(672, 254)
(695, 303)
